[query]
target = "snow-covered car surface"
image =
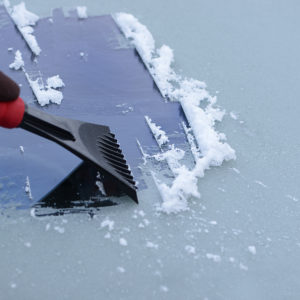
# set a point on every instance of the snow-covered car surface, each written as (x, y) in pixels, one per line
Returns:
(240, 238)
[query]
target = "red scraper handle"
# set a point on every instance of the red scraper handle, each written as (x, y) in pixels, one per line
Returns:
(12, 107)
(11, 113)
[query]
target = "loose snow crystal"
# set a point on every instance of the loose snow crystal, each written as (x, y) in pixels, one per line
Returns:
(108, 223)
(18, 62)
(151, 245)
(121, 269)
(214, 257)
(81, 12)
(243, 267)
(24, 19)
(100, 185)
(190, 93)
(123, 242)
(252, 250)
(190, 249)
(13, 285)
(164, 288)
(59, 229)
(233, 115)
(141, 213)
(27, 244)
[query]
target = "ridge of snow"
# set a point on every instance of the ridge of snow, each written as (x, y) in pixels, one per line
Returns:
(190, 93)
(24, 21)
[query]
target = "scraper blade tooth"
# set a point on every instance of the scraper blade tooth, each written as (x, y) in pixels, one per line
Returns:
(110, 142)
(120, 165)
(111, 138)
(118, 155)
(111, 151)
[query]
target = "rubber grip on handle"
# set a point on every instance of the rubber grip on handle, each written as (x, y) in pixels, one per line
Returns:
(12, 113)
(9, 90)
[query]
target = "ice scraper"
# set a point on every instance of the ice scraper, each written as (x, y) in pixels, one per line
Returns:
(91, 142)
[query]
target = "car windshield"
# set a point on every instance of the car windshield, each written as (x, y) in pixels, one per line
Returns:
(200, 98)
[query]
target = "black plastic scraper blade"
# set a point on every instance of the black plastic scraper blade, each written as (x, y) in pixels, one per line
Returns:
(91, 142)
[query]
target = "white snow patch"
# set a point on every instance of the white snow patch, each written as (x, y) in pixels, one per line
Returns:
(214, 257)
(28, 188)
(231, 259)
(22, 17)
(146, 222)
(27, 33)
(21, 149)
(123, 242)
(24, 21)
(55, 82)
(151, 245)
(172, 156)
(18, 62)
(190, 93)
(159, 134)
(44, 94)
(108, 223)
(138, 34)
(10, 49)
(59, 229)
(142, 213)
(252, 249)
(81, 12)
(233, 115)
(190, 249)
(174, 198)
(120, 269)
